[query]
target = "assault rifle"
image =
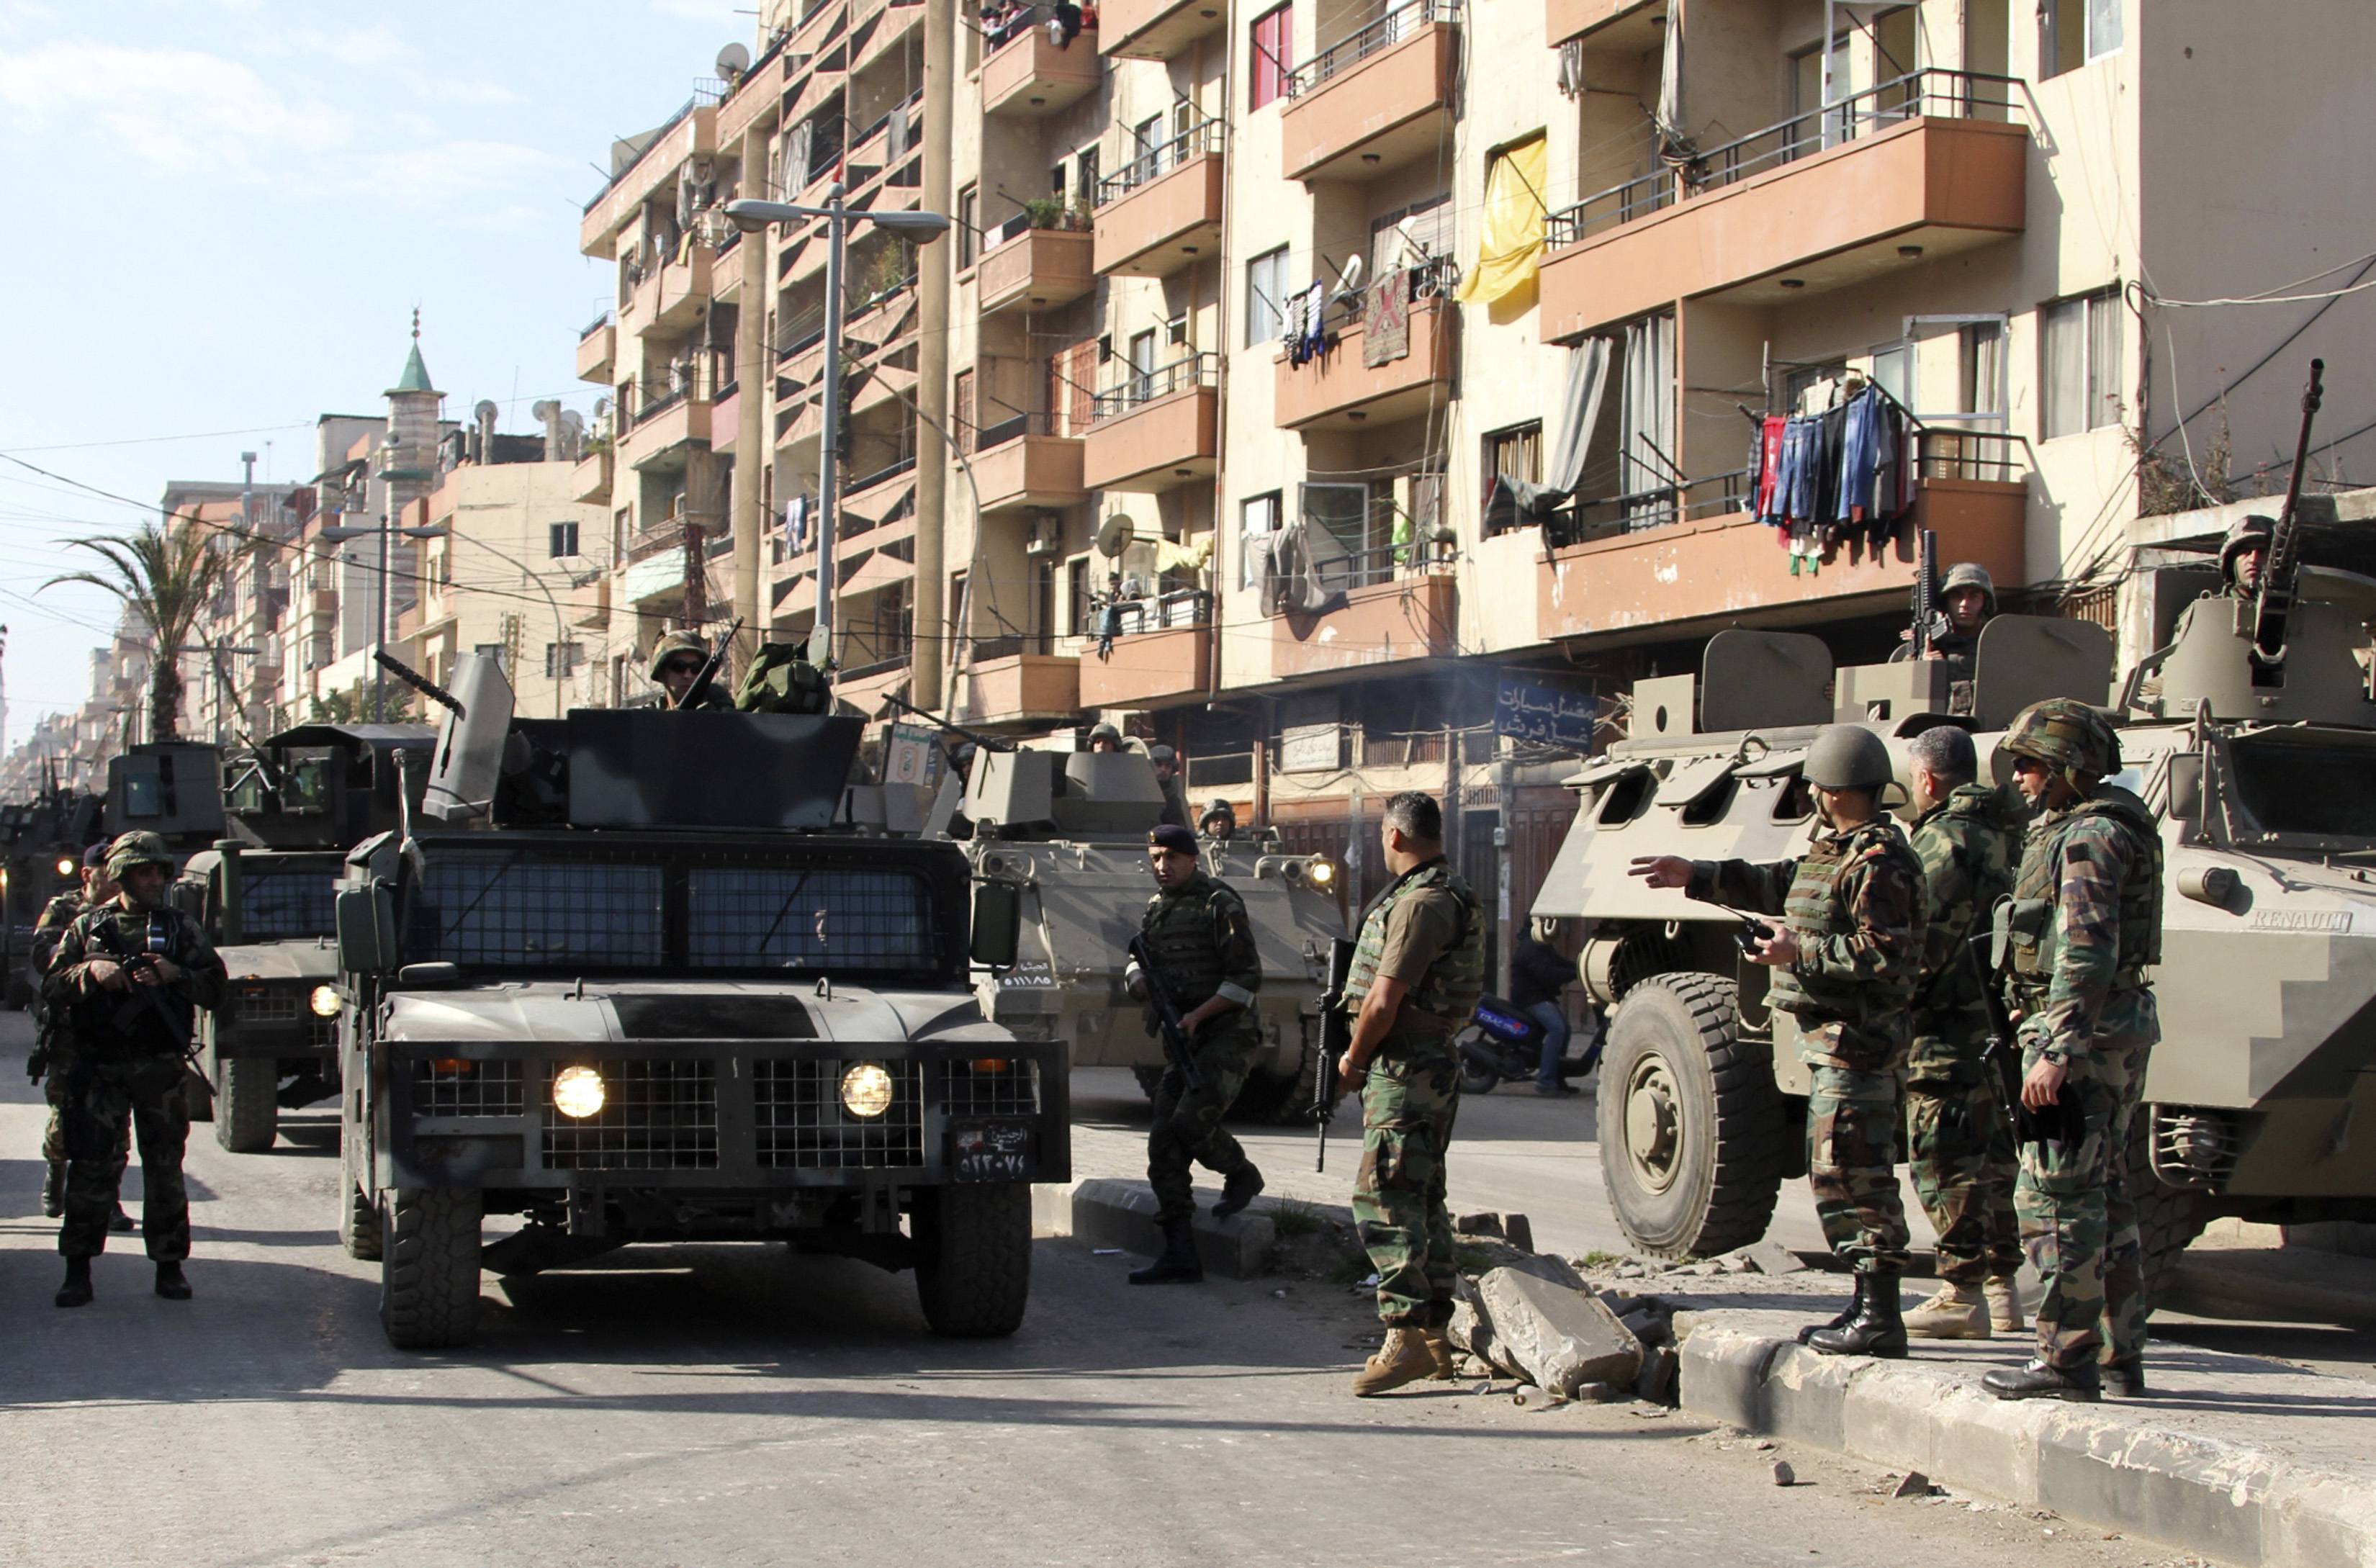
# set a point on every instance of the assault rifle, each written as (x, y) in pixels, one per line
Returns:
(708, 676)
(1174, 1033)
(1335, 1038)
(2059, 1124)
(2283, 569)
(1929, 622)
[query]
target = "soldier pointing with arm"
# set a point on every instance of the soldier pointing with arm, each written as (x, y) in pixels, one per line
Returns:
(1844, 962)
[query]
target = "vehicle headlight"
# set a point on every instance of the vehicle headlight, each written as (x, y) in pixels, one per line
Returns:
(324, 1000)
(1321, 872)
(65, 865)
(577, 1092)
(866, 1091)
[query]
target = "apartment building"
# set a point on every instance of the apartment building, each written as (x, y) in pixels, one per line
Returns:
(232, 663)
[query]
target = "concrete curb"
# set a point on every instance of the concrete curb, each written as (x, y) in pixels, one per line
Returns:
(1102, 1212)
(2108, 1465)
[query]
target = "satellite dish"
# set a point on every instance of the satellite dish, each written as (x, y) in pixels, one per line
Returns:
(486, 410)
(732, 60)
(1350, 279)
(1114, 535)
(539, 411)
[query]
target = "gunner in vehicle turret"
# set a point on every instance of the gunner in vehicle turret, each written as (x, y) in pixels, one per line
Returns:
(2244, 556)
(677, 662)
(1967, 598)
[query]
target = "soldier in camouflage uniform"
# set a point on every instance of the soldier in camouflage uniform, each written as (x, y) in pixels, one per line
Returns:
(1845, 964)
(2243, 554)
(129, 975)
(677, 660)
(1419, 968)
(1967, 835)
(54, 1057)
(1204, 946)
(2078, 938)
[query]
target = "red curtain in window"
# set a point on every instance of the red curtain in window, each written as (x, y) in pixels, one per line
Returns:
(1274, 53)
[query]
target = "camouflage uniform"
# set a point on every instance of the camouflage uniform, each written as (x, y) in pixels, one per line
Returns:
(128, 1063)
(1855, 902)
(2082, 929)
(56, 1044)
(676, 642)
(1409, 1101)
(1206, 946)
(1960, 1136)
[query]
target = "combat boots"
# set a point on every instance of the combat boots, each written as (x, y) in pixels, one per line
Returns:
(2125, 1380)
(54, 1189)
(75, 1291)
(1847, 1314)
(1403, 1358)
(1238, 1189)
(1439, 1345)
(171, 1282)
(1177, 1264)
(1955, 1313)
(2038, 1381)
(1878, 1328)
(121, 1222)
(2003, 1294)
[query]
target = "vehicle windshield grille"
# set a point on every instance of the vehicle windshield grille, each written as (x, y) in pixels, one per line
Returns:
(286, 906)
(789, 918)
(2314, 790)
(497, 910)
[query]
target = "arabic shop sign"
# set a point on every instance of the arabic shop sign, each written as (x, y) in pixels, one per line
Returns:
(1546, 716)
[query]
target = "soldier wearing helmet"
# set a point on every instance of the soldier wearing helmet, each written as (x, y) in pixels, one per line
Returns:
(1105, 738)
(1968, 598)
(2077, 941)
(1167, 774)
(1845, 961)
(55, 1051)
(130, 975)
(2244, 556)
(677, 660)
(1219, 822)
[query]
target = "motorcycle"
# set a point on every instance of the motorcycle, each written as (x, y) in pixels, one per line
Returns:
(1499, 1041)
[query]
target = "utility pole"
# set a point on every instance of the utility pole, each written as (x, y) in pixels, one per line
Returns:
(932, 621)
(753, 362)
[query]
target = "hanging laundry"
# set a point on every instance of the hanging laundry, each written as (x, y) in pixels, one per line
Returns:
(1859, 456)
(1315, 318)
(1765, 464)
(1385, 319)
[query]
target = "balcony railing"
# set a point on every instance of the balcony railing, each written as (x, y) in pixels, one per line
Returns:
(599, 323)
(1140, 388)
(656, 138)
(1164, 612)
(1992, 457)
(1382, 34)
(1043, 214)
(1016, 427)
(1204, 140)
(1924, 94)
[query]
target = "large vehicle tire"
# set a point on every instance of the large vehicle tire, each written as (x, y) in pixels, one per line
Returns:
(2168, 1218)
(973, 1258)
(247, 1114)
(358, 1215)
(1693, 1132)
(1281, 1100)
(429, 1266)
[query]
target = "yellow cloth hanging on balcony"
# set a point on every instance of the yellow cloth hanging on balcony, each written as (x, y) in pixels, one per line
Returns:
(1512, 249)
(1171, 557)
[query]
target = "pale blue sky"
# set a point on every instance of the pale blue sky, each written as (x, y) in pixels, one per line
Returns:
(223, 213)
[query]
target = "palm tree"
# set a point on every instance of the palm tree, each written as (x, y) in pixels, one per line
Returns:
(166, 581)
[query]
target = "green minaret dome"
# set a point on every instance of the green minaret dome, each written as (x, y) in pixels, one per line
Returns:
(415, 378)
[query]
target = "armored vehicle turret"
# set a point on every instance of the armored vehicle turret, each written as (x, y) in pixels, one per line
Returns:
(1067, 831)
(2260, 774)
(623, 977)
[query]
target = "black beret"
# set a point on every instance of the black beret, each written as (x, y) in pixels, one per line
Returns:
(95, 857)
(1172, 835)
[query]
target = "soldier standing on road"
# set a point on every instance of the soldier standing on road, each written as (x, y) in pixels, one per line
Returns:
(1967, 835)
(129, 975)
(55, 1051)
(1418, 970)
(2080, 933)
(1204, 947)
(1845, 963)
(677, 661)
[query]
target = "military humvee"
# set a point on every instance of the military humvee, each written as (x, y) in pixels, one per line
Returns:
(2268, 967)
(626, 982)
(263, 894)
(1067, 831)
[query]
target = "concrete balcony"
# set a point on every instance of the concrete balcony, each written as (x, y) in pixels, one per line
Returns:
(726, 419)
(692, 132)
(883, 29)
(1563, 19)
(590, 481)
(597, 352)
(1158, 29)
(1376, 100)
(1035, 270)
(754, 96)
(1163, 210)
(1337, 391)
(659, 436)
(1029, 77)
(1780, 217)
(685, 289)
(1385, 623)
(639, 309)
(1152, 670)
(1154, 432)
(1030, 470)
(1022, 688)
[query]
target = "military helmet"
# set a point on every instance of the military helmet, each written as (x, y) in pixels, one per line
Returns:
(137, 848)
(1105, 732)
(2066, 735)
(1848, 756)
(1161, 753)
(1970, 575)
(2250, 533)
(1219, 807)
(668, 646)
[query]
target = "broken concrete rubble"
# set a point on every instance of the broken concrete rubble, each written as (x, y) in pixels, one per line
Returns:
(1557, 1338)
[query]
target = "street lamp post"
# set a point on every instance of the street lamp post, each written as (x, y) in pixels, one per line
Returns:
(338, 533)
(753, 217)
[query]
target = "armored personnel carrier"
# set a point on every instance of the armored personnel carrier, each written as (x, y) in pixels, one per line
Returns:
(2260, 774)
(1067, 832)
(624, 981)
(295, 805)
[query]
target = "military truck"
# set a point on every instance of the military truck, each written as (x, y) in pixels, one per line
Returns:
(41, 841)
(624, 981)
(295, 803)
(2269, 930)
(1067, 832)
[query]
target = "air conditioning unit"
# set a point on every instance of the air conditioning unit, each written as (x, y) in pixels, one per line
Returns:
(1047, 533)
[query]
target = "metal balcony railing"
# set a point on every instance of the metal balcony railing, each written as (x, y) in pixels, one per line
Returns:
(1395, 27)
(599, 323)
(629, 167)
(1137, 388)
(1992, 455)
(1585, 519)
(1926, 94)
(1013, 429)
(1204, 140)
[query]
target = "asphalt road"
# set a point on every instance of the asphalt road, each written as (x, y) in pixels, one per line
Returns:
(724, 1405)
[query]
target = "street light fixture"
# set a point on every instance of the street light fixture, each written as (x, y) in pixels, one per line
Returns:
(752, 217)
(340, 533)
